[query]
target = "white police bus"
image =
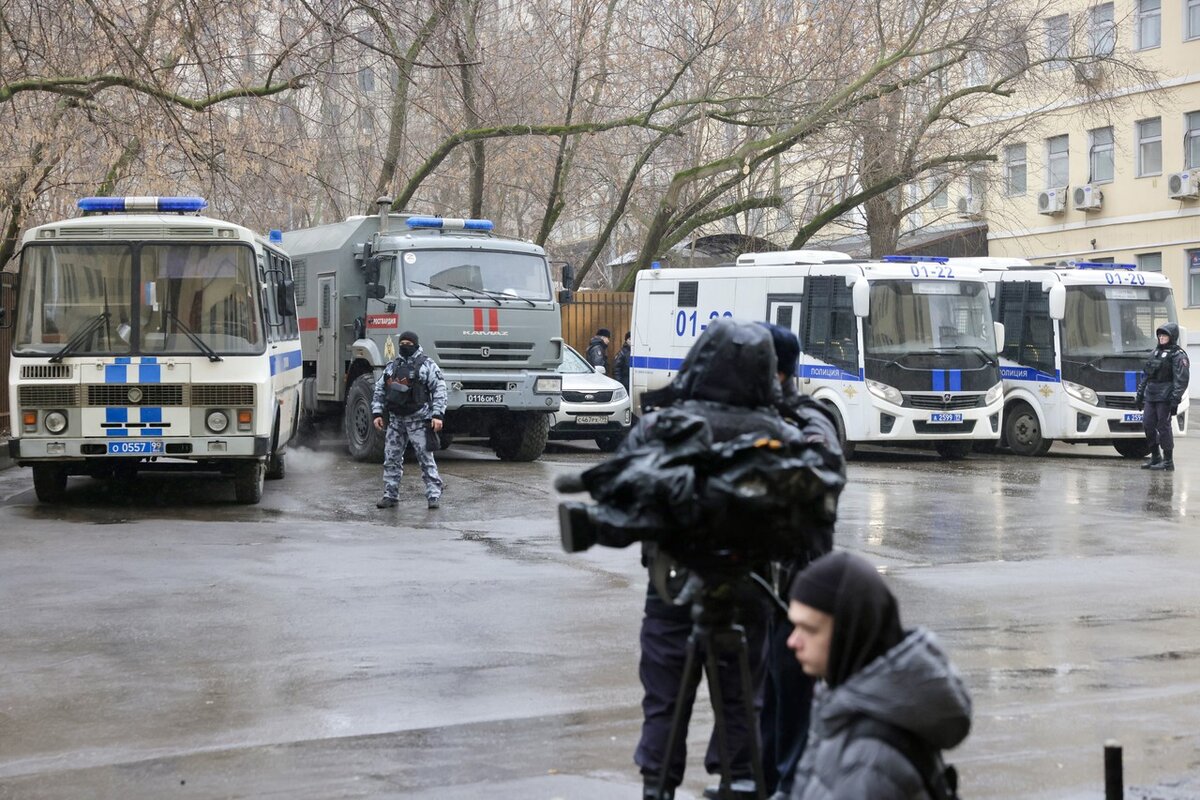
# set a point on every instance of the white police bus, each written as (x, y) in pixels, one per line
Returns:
(147, 333)
(1075, 339)
(903, 351)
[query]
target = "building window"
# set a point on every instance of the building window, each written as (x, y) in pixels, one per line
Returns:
(1192, 10)
(1102, 31)
(977, 69)
(1149, 262)
(1015, 170)
(939, 194)
(1058, 39)
(1193, 264)
(1191, 140)
(1149, 147)
(1100, 155)
(1148, 24)
(1057, 162)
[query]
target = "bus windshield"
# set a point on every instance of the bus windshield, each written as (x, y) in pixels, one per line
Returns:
(914, 316)
(478, 274)
(88, 295)
(1114, 320)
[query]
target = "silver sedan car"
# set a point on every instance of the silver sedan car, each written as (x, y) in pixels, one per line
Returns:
(594, 406)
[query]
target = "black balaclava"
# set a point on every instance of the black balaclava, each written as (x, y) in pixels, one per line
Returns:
(412, 337)
(866, 617)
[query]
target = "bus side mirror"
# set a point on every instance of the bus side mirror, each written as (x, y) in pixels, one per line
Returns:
(285, 298)
(862, 297)
(999, 326)
(1058, 301)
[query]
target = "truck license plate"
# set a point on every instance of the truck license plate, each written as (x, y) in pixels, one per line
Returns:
(945, 417)
(1133, 416)
(140, 447)
(592, 419)
(486, 398)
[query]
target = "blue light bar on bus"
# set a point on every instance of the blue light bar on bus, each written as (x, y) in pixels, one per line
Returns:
(449, 223)
(915, 259)
(276, 236)
(1102, 265)
(117, 204)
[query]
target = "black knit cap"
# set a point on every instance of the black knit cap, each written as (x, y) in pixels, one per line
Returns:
(604, 332)
(411, 336)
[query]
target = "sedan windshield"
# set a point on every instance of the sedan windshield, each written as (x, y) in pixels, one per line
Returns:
(910, 316)
(91, 296)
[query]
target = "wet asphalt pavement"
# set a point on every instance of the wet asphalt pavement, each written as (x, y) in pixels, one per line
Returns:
(158, 640)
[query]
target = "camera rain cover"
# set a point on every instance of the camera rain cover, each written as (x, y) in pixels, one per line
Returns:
(750, 497)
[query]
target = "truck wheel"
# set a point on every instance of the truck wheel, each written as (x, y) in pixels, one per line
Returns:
(49, 482)
(954, 450)
(363, 440)
(248, 482)
(1132, 448)
(522, 437)
(1023, 432)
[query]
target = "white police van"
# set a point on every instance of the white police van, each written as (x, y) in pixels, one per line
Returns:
(145, 333)
(903, 351)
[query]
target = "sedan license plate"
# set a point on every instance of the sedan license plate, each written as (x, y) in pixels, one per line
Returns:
(945, 417)
(592, 419)
(139, 447)
(485, 398)
(1133, 416)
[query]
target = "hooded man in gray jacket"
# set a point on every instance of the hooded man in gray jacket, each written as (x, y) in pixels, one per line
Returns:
(874, 675)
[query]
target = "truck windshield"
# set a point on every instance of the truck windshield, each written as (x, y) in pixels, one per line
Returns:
(490, 273)
(206, 289)
(910, 316)
(1114, 320)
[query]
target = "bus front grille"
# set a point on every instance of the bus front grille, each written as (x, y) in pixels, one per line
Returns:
(48, 396)
(1125, 401)
(222, 394)
(151, 394)
(45, 372)
(938, 402)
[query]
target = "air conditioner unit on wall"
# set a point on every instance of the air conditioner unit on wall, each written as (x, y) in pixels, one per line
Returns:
(1183, 185)
(1052, 201)
(970, 207)
(1087, 197)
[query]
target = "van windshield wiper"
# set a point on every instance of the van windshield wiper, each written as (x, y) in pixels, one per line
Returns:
(82, 336)
(196, 340)
(440, 289)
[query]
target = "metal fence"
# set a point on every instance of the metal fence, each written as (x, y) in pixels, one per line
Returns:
(590, 311)
(8, 302)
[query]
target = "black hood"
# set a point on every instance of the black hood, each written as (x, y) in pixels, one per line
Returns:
(1171, 330)
(731, 363)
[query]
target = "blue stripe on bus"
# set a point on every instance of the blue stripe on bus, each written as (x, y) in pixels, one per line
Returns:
(116, 415)
(116, 432)
(123, 360)
(1026, 374)
(828, 372)
(150, 360)
(151, 432)
(151, 415)
(283, 362)
(149, 373)
(939, 380)
(115, 373)
(956, 380)
(1131, 380)
(651, 362)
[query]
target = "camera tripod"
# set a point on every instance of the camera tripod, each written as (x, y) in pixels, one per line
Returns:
(713, 631)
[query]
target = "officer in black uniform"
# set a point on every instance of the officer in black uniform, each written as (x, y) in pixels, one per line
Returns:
(730, 378)
(1160, 391)
(597, 352)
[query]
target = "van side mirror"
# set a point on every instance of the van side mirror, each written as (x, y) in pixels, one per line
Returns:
(999, 326)
(1058, 301)
(285, 299)
(861, 294)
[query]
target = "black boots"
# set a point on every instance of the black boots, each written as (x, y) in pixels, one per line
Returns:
(1154, 460)
(1166, 464)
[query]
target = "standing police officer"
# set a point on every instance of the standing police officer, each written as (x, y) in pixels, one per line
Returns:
(414, 392)
(1163, 382)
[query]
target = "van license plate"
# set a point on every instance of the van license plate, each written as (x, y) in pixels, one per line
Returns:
(945, 417)
(592, 419)
(1133, 416)
(485, 398)
(141, 447)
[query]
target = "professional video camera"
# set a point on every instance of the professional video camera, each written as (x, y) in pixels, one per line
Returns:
(714, 507)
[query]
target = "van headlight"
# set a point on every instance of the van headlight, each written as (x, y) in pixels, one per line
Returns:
(1080, 392)
(548, 385)
(994, 394)
(56, 422)
(889, 393)
(217, 421)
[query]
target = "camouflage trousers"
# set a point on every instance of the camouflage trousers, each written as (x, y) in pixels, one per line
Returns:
(401, 434)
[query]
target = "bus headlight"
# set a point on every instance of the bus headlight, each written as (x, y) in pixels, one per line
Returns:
(56, 422)
(889, 393)
(548, 385)
(993, 394)
(1081, 393)
(217, 421)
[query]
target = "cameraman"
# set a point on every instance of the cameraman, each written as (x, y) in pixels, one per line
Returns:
(730, 379)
